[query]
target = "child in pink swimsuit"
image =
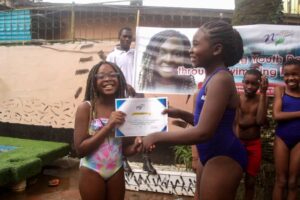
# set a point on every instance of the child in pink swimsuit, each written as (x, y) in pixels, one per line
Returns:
(101, 170)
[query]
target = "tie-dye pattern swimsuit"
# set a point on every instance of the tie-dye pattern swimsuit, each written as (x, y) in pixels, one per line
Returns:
(107, 159)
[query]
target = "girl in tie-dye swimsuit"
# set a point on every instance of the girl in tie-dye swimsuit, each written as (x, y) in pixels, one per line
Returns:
(101, 170)
(107, 159)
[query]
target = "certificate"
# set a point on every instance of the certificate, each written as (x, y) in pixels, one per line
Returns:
(143, 116)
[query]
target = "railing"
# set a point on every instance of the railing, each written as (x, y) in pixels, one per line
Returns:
(73, 22)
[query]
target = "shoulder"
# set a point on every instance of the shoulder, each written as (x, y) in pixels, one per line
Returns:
(128, 54)
(111, 55)
(114, 52)
(84, 107)
(131, 51)
(279, 90)
(223, 78)
(241, 96)
(221, 85)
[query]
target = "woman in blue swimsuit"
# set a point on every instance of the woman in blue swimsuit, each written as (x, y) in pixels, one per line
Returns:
(286, 112)
(216, 46)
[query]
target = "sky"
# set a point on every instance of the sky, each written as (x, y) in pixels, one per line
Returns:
(215, 4)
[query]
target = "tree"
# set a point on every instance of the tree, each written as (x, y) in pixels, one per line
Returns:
(136, 2)
(257, 12)
(17, 3)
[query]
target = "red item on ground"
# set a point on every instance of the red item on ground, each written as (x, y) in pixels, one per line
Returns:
(53, 182)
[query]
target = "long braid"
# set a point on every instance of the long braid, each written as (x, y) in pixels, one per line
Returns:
(146, 74)
(90, 89)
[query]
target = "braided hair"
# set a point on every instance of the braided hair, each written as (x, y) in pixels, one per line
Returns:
(254, 72)
(293, 61)
(220, 32)
(146, 76)
(91, 93)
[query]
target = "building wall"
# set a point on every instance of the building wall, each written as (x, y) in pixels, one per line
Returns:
(291, 6)
(41, 87)
(104, 22)
(106, 27)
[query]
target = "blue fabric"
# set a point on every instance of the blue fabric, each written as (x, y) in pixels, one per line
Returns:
(289, 130)
(223, 142)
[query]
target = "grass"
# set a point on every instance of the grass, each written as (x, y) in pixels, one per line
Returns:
(28, 158)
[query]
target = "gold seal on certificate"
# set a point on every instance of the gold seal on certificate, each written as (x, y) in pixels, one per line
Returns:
(143, 116)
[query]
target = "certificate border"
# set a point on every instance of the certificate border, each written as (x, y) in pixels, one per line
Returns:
(119, 102)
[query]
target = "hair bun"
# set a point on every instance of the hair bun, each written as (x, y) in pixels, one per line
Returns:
(238, 48)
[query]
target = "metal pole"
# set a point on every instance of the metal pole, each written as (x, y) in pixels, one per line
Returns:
(138, 18)
(73, 22)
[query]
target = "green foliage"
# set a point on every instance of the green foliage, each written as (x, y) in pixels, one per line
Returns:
(28, 157)
(266, 177)
(183, 155)
(257, 12)
(268, 134)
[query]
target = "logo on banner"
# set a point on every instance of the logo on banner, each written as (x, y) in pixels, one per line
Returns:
(277, 38)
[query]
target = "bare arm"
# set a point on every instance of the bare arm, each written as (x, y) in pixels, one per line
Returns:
(261, 116)
(131, 145)
(182, 114)
(84, 143)
(277, 107)
(217, 99)
(187, 117)
(236, 119)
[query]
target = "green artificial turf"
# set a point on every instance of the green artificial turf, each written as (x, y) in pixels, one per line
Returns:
(28, 158)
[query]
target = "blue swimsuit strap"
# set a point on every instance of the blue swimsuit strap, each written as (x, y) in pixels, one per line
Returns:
(214, 72)
(285, 94)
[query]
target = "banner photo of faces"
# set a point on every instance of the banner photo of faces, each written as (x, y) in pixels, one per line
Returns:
(162, 62)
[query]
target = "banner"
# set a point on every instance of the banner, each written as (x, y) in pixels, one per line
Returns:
(162, 63)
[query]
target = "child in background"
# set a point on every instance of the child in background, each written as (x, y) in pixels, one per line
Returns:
(252, 114)
(101, 170)
(286, 112)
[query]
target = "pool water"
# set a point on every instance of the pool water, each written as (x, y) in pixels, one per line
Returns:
(6, 148)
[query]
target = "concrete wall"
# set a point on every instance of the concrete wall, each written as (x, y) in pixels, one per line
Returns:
(38, 86)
